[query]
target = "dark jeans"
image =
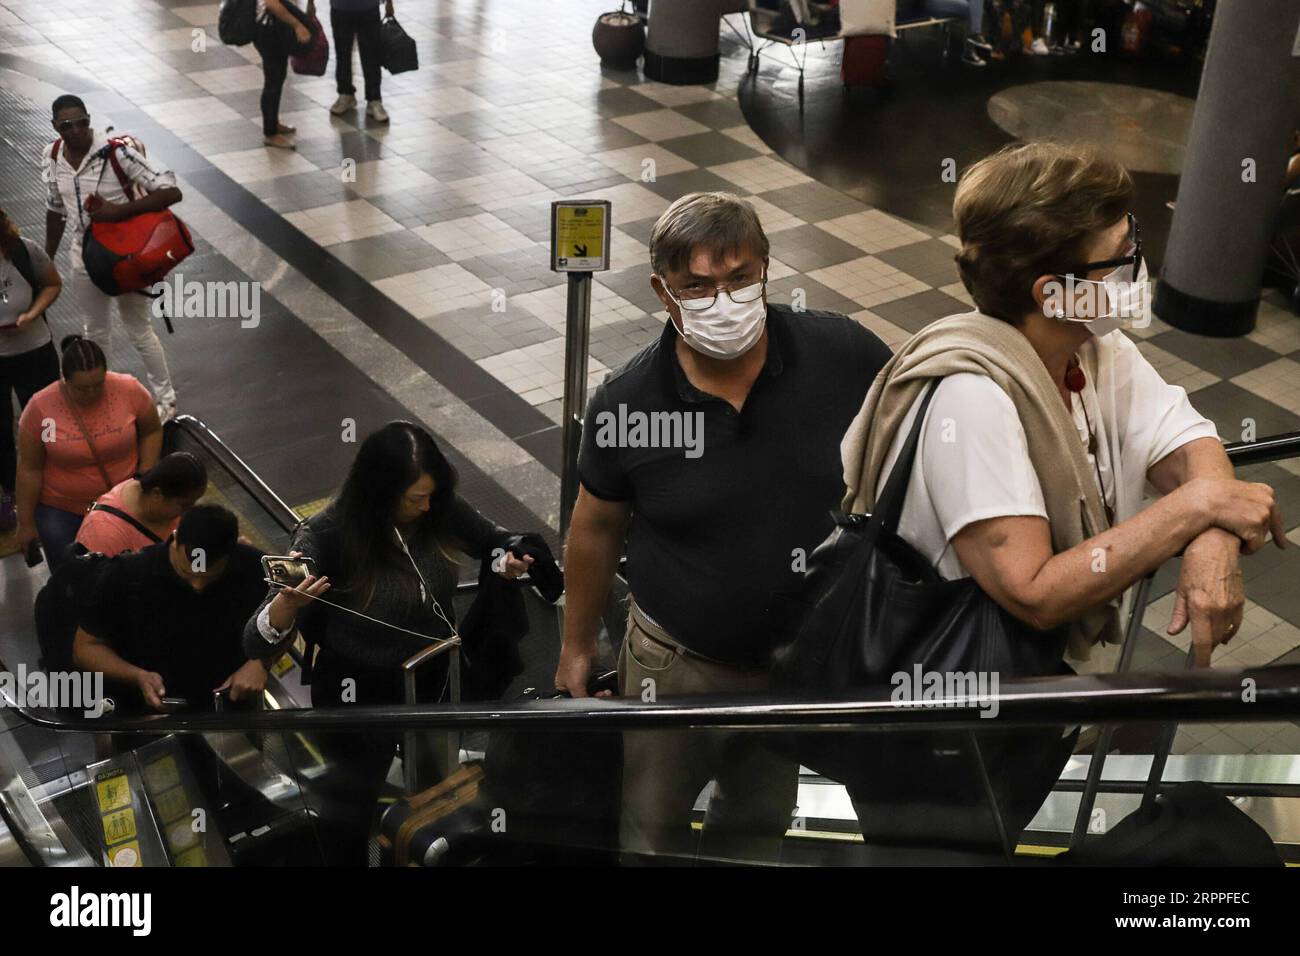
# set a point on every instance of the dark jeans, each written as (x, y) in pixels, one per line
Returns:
(364, 25)
(270, 43)
(57, 529)
(24, 375)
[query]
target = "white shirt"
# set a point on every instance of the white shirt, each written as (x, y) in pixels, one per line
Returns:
(68, 187)
(972, 462)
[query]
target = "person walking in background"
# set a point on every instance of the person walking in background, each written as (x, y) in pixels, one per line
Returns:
(277, 30)
(74, 171)
(29, 284)
(359, 19)
(77, 439)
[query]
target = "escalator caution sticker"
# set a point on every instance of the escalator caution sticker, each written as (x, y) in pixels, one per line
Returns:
(128, 854)
(172, 804)
(281, 667)
(119, 826)
(192, 857)
(181, 836)
(113, 792)
(161, 774)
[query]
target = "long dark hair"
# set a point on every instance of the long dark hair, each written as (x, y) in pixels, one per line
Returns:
(9, 237)
(389, 461)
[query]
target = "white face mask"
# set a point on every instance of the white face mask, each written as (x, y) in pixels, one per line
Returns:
(727, 329)
(1128, 302)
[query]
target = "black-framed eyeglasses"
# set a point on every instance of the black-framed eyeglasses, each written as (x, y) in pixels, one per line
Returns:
(697, 298)
(80, 123)
(1133, 257)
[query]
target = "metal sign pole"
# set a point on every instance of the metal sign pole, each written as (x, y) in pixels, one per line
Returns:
(577, 336)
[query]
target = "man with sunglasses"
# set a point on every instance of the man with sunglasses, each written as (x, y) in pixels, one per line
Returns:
(83, 187)
(713, 530)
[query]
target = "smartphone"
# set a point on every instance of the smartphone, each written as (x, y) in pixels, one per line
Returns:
(33, 557)
(287, 571)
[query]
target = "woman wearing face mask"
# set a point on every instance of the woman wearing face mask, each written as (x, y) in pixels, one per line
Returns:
(381, 552)
(1047, 423)
(77, 439)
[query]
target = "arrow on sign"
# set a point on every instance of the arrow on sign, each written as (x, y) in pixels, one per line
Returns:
(580, 249)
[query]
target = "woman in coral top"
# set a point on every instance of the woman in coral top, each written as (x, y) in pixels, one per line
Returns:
(61, 469)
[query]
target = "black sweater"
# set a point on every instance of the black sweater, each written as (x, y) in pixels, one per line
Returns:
(395, 601)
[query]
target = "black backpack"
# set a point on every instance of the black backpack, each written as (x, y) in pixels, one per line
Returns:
(237, 22)
(60, 602)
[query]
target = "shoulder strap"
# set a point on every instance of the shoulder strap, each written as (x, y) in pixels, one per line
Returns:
(889, 506)
(129, 519)
(113, 146)
(22, 260)
(81, 423)
(54, 149)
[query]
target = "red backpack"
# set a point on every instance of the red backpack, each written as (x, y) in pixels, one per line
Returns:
(135, 253)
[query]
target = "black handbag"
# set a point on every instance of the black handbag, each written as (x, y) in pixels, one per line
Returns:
(397, 52)
(871, 609)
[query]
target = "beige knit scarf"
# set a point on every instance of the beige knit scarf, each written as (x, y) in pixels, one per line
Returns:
(972, 342)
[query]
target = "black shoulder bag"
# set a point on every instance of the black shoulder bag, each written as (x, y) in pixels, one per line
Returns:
(874, 613)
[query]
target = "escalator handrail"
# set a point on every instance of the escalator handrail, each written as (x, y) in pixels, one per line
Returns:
(1272, 448)
(1186, 696)
(237, 468)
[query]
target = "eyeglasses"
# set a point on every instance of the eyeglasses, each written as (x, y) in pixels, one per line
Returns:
(698, 297)
(1133, 257)
(81, 123)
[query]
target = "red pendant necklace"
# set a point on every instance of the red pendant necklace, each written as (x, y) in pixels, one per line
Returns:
(1075, 381)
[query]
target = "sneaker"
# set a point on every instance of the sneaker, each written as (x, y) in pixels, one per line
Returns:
(344, 103)
(979, 42)
(1039, 47)
(8, 513)
(280, 141)
(375, 110)
(971, 58)
(286, 129)
(166, 413)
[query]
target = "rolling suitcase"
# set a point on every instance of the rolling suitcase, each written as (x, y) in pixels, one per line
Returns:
(866, 61)
(423, 829)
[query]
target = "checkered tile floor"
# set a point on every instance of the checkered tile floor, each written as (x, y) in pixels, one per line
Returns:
(445, 211)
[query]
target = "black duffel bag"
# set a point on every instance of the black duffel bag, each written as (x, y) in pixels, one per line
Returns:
(872, 607)
(397, 52)
(557, 794)
(1191, 824)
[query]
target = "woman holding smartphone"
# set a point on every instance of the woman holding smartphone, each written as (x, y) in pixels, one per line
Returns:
(380, 551)
(29, 284)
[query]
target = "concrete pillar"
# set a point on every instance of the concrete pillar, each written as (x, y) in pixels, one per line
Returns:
(1247, 107)
(681, 43)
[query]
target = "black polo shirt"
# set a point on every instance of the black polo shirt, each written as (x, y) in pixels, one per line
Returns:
(154, 620)
(714, 536)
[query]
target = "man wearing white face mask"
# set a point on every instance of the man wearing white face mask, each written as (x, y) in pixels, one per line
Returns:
(713, 531)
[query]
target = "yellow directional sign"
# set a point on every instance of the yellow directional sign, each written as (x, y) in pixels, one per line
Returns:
(580, 235)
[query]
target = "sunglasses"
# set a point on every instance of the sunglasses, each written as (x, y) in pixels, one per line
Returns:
(82, 123)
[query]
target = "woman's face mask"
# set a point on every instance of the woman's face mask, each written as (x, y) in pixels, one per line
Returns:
(726, 329)
(1115, 301)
